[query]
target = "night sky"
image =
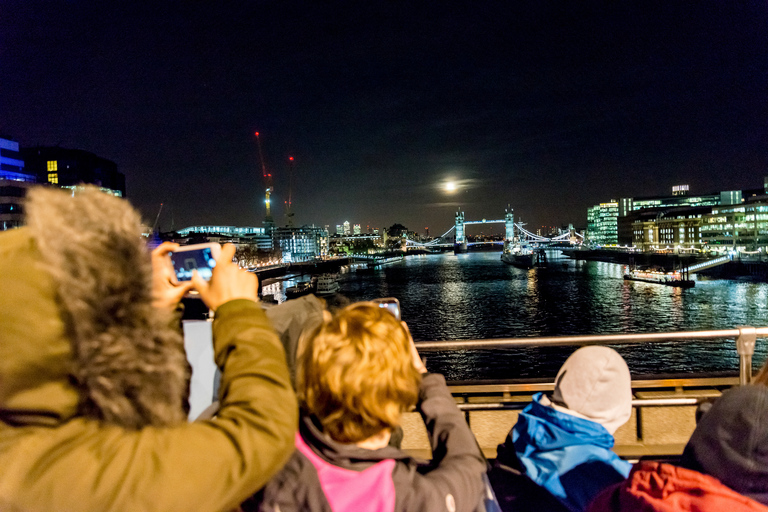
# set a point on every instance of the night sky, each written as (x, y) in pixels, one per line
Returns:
(551, 107)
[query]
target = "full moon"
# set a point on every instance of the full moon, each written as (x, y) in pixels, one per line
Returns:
(450, 186)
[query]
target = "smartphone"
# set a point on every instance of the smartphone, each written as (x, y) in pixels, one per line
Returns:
(200, 257)
(391, 304)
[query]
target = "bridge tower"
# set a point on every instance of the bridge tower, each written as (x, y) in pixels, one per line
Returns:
(460, 243)
(509, 223)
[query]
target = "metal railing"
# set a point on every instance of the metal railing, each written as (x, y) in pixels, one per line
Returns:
(642, 402)
(745, 337)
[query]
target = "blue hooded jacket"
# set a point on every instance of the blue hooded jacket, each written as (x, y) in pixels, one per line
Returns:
(568, 456)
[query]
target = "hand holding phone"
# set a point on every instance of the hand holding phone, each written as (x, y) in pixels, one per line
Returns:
(167, 291)
(228, 281)
(391, 304)
(200, 257)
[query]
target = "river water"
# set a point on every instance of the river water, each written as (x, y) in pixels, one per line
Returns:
(476, 296)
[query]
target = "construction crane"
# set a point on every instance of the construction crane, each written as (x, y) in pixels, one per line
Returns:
(157, 219)
(289, 203)
(267, 183)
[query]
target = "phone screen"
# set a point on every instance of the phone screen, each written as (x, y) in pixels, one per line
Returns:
(184, 262)
(392, 305)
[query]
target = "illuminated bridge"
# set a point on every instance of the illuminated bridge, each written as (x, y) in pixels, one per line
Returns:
(456, 236)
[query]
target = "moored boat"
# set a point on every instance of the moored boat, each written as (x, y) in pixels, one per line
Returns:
(519, 254)
(327, 284)
(298, 289)
(675, 278)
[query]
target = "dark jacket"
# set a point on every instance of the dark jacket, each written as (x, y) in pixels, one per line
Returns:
(731, 442)
(323, 475)
(554, 461)
(92, 378)
(659, 487)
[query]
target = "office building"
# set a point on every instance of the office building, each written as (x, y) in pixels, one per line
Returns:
(11, 162)
(669, 230)
(301, 244)
(602, 223)
(357, 230)
(737, 227)
(12, 193)
(70, 168)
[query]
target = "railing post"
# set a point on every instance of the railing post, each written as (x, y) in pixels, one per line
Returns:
(745, 346)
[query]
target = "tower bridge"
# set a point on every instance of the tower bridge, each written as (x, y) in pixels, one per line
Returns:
(513, 230)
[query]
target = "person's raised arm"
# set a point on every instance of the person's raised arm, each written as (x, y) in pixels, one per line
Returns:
(457, 462)
(210, 465)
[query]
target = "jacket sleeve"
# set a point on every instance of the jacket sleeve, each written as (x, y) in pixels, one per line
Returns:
(457, 463)
(204, 466)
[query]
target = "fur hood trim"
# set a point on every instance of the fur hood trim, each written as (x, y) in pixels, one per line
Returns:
(129, 362)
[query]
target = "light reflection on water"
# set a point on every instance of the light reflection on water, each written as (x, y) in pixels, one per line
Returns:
(476, 296)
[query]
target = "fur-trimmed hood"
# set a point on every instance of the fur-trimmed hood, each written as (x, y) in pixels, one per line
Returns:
(79, 334)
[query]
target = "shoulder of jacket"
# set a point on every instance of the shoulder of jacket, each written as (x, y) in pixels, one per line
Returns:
(295, 488)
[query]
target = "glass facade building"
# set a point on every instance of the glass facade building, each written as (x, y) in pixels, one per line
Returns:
(222, 230)
(739, 227)
(602, 223)
(301, 244)
(11, 163)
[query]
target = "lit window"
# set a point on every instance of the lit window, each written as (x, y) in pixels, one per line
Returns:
(53, 166)
(53, 177)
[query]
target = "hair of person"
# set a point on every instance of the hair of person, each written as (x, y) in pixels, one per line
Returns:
(128, 359)
(356, 375)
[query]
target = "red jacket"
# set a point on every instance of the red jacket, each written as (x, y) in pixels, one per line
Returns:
(658, 487)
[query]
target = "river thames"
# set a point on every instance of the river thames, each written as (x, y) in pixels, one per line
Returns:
(476, 296)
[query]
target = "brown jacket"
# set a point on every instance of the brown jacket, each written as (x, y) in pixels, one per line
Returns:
(92, 381)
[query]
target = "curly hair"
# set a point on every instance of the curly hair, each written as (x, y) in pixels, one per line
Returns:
(356, 375)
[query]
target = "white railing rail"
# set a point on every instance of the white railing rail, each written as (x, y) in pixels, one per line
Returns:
(744, 336)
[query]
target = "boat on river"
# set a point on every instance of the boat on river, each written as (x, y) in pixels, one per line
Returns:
(675, 278)
(299, 289)
(523, 255)
(326, 285)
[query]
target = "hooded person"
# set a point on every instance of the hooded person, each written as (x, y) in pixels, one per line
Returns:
(93, 375)
(724, 465)
(558, 455)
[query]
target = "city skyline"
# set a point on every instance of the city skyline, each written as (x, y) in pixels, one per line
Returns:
(550, 109)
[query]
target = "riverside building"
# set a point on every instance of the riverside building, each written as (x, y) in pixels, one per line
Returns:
(301, 244)
(240, 236)
(14, 182)
(740, 227)
(70, 168)
(671, 223)
(602, 223)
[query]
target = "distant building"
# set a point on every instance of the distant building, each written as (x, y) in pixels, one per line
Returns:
(602, 222)
(629, 209)
(222, 230)
(346, 227)
(671, 229)
(679, 197)
(12, 193)
(11, 163)
(738, 227)
(339, 229)
(69, 168)
(357, 230)
(301, 244)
